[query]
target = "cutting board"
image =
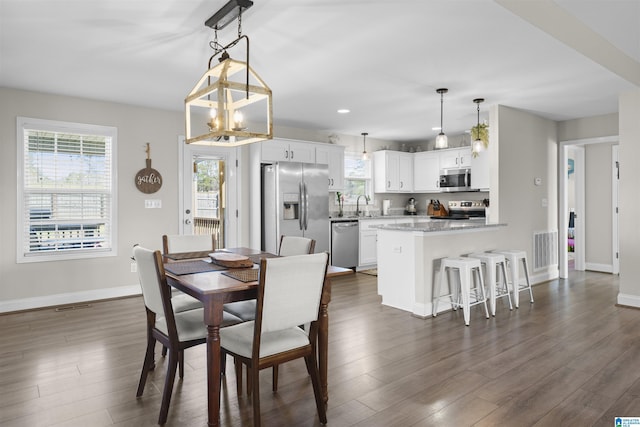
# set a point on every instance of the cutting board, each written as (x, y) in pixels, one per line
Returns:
(231, 260)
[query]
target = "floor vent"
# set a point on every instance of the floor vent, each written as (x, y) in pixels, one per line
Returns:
(545, 249)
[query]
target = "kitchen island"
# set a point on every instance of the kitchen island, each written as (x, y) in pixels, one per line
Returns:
(409, 258)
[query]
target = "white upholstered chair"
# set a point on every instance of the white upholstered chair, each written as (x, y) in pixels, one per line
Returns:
(289, 245)
(180, 244)
(289, 294)
(294, 245)
(246, 310)
(176, 331)
(184, 243)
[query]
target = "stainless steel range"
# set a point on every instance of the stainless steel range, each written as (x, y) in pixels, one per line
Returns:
(465, 209)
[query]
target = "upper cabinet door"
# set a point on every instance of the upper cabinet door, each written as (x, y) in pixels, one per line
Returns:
(333, 156)
(455, 158)
(393, 172)
(277, 150)
(426, 172)
(405, 172)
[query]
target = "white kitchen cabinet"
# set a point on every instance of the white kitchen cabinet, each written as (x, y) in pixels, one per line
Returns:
(367, 248)
(480, 171)
(333, 156)
(455, 158)
(281, 150)
(393, 172)
(426, 172)
(368, 239)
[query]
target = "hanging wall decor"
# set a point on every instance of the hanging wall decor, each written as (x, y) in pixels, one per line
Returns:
(148, 180)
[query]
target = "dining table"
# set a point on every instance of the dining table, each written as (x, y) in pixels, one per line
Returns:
(214, 289)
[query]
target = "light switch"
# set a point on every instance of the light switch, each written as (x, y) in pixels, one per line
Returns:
(537, 181)
(545, 202)
(397, 249)
(153, 204)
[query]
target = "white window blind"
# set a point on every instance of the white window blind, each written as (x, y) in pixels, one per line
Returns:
(67, 190)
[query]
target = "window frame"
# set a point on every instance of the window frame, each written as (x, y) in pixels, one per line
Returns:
(368, 178)
(24, 124)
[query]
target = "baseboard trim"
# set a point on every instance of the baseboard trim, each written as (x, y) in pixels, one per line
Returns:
(602, 268)
(541, 277)
(629, 300)
(68, 298)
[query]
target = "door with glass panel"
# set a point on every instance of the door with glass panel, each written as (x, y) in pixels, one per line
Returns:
(207, 198)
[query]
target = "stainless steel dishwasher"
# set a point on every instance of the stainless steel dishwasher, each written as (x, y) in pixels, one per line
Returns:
(344, 243)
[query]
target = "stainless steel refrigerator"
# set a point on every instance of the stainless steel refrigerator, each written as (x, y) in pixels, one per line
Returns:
(295, 201)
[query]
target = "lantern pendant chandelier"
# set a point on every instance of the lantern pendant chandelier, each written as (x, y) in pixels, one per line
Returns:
(222, 109)
(477, 145)
(441, 139)
(365, 155)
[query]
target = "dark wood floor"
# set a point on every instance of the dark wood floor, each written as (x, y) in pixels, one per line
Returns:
(570, 359)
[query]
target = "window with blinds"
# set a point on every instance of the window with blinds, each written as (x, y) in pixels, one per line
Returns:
(66, 193)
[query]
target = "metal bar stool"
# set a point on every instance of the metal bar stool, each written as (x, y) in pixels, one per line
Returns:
(494, 263)
(463, 295)
(514, 257)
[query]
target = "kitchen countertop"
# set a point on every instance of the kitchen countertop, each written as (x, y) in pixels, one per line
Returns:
(360, 218)
(441, 226)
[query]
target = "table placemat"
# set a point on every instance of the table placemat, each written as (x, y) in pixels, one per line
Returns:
(191, 267)
(247, 275)
(188, 255)
(256, 258)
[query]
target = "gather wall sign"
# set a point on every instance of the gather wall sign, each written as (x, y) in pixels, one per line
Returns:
(148, 180)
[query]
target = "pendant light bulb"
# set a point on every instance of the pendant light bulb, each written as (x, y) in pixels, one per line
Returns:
(365, 155)
(478, 145)
(441, 139)
(213, 119)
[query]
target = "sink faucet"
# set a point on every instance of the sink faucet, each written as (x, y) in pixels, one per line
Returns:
(366, 199)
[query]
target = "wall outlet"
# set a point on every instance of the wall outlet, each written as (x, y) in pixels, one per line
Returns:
(134, 267)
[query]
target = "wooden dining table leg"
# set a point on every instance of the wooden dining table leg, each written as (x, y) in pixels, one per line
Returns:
(323, 339)
(213, 320)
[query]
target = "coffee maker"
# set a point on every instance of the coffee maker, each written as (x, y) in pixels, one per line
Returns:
(411, 207)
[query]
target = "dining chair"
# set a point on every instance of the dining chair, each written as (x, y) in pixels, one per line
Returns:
(289, 294)
(295, 245)
(289, 245)
(246, 310)
(181, 244)
(175, 331)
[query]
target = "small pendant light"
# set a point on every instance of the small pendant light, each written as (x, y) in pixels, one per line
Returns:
(477, 145)
(441, 139)
(365, 155)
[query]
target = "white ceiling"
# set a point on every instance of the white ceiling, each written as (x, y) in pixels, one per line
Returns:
(382, 59)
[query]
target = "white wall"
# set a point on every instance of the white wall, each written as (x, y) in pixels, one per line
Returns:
(598, 214)
(629, 153)
(90, 278)
(588, 127)
(527, 149)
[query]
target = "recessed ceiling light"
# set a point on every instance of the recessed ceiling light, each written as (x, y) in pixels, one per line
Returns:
(344, 111)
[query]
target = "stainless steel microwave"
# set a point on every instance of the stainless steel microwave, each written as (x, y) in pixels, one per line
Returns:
(455, 180)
